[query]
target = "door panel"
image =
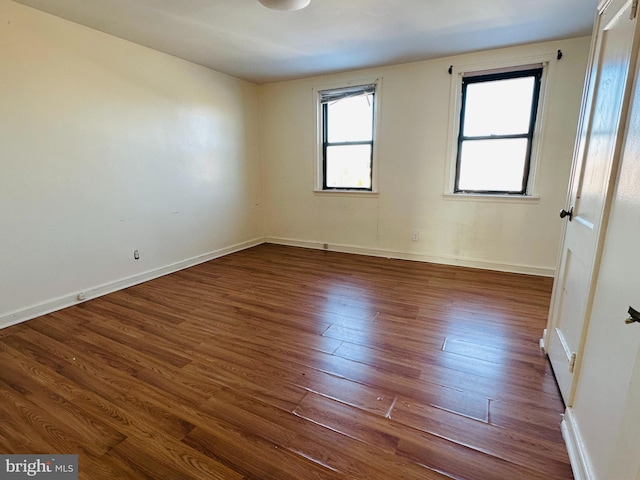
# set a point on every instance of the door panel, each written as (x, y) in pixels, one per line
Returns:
(595, 166)
(571, 315)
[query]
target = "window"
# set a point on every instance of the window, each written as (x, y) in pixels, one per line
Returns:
(347, 123)
(495, 138)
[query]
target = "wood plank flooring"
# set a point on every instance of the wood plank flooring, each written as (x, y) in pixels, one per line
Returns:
(283, 363)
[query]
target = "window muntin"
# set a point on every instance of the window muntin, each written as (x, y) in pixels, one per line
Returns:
(347, 138)
(495, 138)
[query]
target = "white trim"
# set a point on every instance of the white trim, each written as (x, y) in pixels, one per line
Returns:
(475, 197)
(516, 68)
(548, 62)
(24, 314)
(418, 257)
(346, 193)
(578, 456)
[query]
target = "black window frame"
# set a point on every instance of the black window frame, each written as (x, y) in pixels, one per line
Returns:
(332, 95)
(536, 73)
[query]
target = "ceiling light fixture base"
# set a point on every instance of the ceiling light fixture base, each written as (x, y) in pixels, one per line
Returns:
(285, 5)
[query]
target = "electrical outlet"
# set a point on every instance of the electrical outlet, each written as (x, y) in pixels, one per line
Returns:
(415, 236)
(136, 254)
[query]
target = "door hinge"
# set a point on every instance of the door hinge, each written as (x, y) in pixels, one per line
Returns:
(634, 10)
(572, 363)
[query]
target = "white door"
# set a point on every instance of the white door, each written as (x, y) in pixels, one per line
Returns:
(607, 399)
(595, 159)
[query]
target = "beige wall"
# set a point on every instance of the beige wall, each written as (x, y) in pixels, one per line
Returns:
(107, 147)
(412, 146)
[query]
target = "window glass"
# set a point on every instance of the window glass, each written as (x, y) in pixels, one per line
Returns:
(348, 166)
(500, 107)
(492, 165)
(350, 119)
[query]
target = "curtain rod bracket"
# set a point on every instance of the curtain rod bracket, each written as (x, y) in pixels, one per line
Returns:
(560, 55)
(450, 70)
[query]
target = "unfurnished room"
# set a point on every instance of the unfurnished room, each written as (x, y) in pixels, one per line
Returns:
(319, 239)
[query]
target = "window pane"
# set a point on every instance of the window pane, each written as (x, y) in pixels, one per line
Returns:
(499, 107)
(349, 166)
(492, 165)
(351, 119)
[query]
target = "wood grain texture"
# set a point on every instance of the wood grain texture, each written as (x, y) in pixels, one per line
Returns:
(284, 363)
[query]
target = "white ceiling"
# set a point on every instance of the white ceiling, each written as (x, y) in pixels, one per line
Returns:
(245, 39)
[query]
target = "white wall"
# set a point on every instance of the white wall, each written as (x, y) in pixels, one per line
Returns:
(107, 147)
(412, 146)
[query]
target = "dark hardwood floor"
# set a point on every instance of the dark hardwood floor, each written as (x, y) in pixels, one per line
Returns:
(284, 363)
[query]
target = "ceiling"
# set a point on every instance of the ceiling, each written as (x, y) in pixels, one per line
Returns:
(244, 39)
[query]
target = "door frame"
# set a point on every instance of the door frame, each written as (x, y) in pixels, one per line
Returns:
(584, 130)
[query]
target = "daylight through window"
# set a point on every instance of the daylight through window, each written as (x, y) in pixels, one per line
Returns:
(347, 138)
(497, 123)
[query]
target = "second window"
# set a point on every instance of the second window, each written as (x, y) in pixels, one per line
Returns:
(495, 139)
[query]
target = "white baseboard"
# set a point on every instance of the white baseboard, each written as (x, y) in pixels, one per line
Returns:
(48, 306)
(580, 462)
(22, 315)
(441, 259)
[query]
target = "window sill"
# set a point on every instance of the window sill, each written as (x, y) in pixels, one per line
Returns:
(346, 193)
(481, 197)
